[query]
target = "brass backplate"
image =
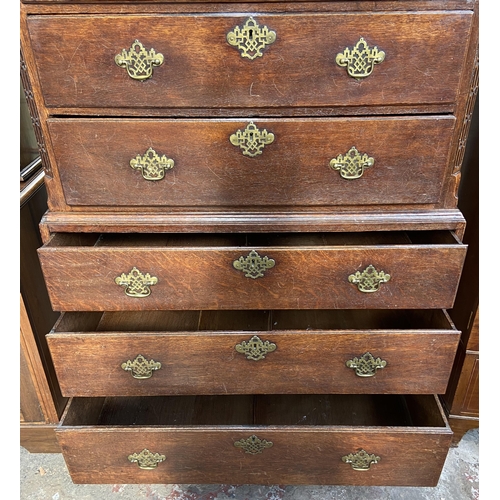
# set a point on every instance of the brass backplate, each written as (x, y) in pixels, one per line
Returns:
(352, 165)
(251, 39)
(369, 280)
(253, 265)
(251, 140)
(136, 284)
(146, 459)
(140, 367)
(366, 365)
(255, 349)
(253, 445)
(138, 61)
(360, 59)
(151, 165)
(361, 460)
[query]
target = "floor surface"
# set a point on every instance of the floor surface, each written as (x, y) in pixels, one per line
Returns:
(45, 477)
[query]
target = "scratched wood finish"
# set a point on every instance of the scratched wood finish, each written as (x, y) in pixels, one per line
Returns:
(238, 221)
(201, 276)
(199, 446)
(297, 70)
(353, 5)
(429, 47)
(205, 360)
(93, 159)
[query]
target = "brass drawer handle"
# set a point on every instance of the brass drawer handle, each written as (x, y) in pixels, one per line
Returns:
(352, 165)
(366, 365)
(255, 349)
(136, 284)
(251, 39)
(138, 61)
(369, 280)
(140, 367)
(146, 460)
(251, 140)
(253, 445)
(151, 165)
(361, 460)
(253, 265)
(360, 60)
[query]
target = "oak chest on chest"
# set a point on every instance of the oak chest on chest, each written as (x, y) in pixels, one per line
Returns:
(252, 233)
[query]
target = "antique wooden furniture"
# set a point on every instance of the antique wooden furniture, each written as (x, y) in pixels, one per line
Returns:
(41, 402)
(461, 400)
(253, 234)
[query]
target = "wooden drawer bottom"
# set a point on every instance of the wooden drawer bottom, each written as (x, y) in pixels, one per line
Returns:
(272, 439)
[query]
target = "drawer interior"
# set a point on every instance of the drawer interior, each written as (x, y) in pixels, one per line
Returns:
(258, 321)
(274, 240)
(257, 410)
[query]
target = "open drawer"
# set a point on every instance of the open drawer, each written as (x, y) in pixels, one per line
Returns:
(305, 439)
(373, 270)
(257, 352)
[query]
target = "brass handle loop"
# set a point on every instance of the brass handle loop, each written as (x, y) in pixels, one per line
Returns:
(360, 60)
(146, 459)
(369, 280)
(366, 365)
(136, 284)
(251, 39)
(138, 61)
(140, 367)
(352, 165)
(151, 165)
(361, 460)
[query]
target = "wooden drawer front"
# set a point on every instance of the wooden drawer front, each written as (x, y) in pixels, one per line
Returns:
(93, 158)
(196, 437)
(201, 70)
(314, 271)
(104, 360)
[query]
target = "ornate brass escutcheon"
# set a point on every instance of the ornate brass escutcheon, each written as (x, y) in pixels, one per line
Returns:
(138, 61)
(253, 444)
(255, 349)
(361, 460)
(151, 165)
(366, 365)
(253, 265)
(352, 165)
(146, 460)
(360, 60)
(140, 367)
(251, 140)
(136, 284)
(251, 39)
(369, 280)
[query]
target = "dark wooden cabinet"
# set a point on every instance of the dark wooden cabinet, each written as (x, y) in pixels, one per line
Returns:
(461, 400)
(41, 401)
(253, 234)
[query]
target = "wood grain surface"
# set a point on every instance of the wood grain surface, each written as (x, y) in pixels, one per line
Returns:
(93, 162)
(205, 361)
(198, 273)
(199, 447)
(201, 70)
